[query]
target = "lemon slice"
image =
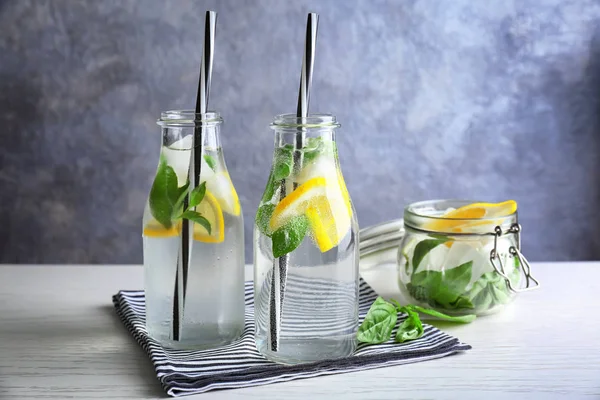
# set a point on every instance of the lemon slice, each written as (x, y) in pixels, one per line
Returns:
(327, 206)
(154, 229)
(221, 187)
(454, 220)
(330, 216)
(329, 221)
(296, 203)
(210, 209)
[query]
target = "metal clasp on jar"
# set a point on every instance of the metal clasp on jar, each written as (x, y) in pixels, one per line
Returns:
(515, 251)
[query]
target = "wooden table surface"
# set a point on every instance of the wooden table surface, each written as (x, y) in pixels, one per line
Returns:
(60, 339)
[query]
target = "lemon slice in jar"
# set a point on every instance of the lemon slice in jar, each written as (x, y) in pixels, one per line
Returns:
(454, 220)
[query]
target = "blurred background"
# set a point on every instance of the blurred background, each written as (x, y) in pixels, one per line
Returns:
(437, 99)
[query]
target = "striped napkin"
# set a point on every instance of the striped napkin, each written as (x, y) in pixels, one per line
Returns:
(238, 365)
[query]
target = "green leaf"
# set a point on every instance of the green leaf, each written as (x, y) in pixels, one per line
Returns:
(437, 314)
(177, 208)
(483, 300)
(379, 323)
(282, 171)
(210, 161)
(197, 195)
(263, 216)
(270, 188)
(164, 194)
(411, 328)
(287, 238)
(444, 290)
(197, 218)
(422, 248)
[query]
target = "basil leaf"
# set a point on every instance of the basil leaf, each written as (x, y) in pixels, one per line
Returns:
(164, 194)
(483, 300)
(444, 290)
(379, 323)
(263, 217)
(287, 238)
(422, 248)
(197, 195)
(437, 314)
(455, 280)
(210, 161)
(197, 218)
(411, 328)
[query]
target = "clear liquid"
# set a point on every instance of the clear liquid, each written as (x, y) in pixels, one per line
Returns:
(319, 315)
(214, 300)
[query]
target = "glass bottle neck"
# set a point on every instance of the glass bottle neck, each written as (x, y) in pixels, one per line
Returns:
(181, 138)
(304, 139)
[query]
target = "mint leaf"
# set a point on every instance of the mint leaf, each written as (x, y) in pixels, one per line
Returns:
(197, 195)
(211, 162)
(164, 194)
(411, 328)
(282, 171)
(379, 323)
(197, 218)
(269, 189)
(180, 198)
(287, 238)
(263, 216)
(424, 247)
(437, 314)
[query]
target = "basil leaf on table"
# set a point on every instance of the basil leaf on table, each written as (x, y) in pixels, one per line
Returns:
(462, 319)
(411, 328)
(379, 323)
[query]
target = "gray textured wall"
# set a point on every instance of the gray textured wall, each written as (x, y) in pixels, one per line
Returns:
(479, 99)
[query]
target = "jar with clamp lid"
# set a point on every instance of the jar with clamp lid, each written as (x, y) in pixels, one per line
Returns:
(462, 263)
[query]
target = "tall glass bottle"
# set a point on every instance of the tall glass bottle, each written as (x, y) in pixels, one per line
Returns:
(213, 310)
(305, 248)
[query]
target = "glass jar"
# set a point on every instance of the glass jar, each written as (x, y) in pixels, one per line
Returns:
(460, 266)
(208, 309)
(305, 248)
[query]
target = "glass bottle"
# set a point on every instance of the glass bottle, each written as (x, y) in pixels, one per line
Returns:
(213, 308)
(305, 248)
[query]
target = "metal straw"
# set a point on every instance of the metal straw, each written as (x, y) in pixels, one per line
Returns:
(280, 267)
(194, 171)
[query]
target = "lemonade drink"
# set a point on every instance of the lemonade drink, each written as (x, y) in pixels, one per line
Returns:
(315, 228)
(214, 296)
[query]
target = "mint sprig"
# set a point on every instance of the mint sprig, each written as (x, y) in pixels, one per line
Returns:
(381, 319)
(167, 198)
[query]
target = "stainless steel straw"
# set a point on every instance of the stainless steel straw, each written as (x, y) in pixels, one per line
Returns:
(194, 171)
(280, 267)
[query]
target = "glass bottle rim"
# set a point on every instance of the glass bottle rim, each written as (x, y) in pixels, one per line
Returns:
(187, 118)
(312, 121)
(419, 214)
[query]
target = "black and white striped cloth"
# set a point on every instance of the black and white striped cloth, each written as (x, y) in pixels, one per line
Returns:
(238, 365)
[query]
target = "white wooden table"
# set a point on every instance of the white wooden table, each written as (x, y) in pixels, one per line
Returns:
(60, 339)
